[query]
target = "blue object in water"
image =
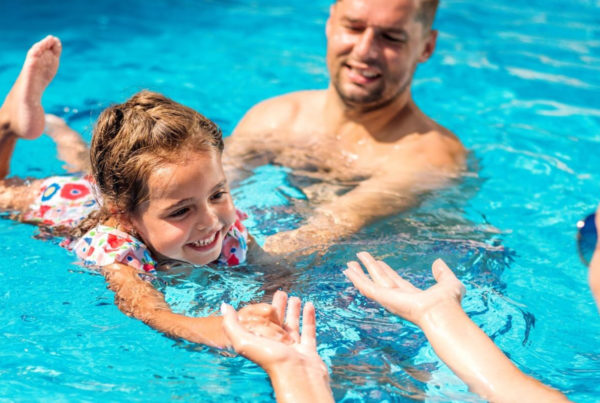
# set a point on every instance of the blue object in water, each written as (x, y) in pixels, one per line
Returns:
(587, 238)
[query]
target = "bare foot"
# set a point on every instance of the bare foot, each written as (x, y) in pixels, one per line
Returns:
(22, 113)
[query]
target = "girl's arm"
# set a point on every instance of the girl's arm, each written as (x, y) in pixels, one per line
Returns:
(459, 342)
(139, 299)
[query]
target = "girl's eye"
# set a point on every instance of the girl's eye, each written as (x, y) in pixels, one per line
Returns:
(219, 195)
(179, 213)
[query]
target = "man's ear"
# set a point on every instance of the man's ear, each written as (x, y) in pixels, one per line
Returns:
(429, 46)
(328, 23)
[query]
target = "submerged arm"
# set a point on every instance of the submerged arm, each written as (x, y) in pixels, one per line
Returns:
(373, 199)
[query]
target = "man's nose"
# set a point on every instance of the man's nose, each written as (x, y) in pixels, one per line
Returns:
(367, 47)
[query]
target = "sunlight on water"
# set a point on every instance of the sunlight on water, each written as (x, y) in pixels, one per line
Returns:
(518, 83)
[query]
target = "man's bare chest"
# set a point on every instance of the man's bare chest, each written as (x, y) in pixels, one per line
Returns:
(330, 160)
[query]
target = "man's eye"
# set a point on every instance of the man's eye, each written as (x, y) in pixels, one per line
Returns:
(394, 38)
(179, 213)
(353, 28)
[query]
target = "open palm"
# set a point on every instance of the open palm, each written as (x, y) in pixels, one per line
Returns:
(398, 295)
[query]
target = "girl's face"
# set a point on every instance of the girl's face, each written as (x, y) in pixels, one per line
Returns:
(189, 209)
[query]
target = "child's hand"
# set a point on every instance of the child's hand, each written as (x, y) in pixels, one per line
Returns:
(295, 352)
(264, 320)
(400, 296)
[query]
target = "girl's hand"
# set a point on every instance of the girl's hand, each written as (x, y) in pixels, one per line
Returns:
(401, 297)
(263, 320)
(274, 353)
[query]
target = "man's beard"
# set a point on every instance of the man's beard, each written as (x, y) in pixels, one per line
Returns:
(369, 101)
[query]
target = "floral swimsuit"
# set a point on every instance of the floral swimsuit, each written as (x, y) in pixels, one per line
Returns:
(67, 200)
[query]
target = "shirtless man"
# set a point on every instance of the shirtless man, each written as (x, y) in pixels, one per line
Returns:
(364, 131)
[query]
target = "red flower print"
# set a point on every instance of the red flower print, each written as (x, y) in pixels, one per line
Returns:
(44, 209)
(115, 242)
(74, 191)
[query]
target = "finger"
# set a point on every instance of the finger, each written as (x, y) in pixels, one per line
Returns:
(279, 302)
(441, 271)
(309, 326)
(357, 276)
(377, 274)
(244, 342)
(231, 325)
(397, 279)
(444, 275)
(292, 318)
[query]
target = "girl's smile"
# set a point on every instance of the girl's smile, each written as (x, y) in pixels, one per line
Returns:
(188, 211)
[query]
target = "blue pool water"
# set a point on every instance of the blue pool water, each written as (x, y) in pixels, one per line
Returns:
(517, 81)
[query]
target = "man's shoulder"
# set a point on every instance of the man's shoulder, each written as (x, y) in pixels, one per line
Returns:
(278, 112)
(436, 146)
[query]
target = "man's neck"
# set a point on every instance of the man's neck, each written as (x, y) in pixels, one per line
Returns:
(372, 122)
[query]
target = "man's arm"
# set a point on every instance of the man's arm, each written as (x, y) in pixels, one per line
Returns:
(383, 195)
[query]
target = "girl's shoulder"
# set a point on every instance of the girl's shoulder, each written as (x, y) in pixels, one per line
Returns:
(104, 245)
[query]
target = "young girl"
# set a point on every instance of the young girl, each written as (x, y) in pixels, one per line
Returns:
(158, 194)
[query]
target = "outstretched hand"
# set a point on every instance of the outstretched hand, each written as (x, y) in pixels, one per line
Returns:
(398, 295)
(274, 353)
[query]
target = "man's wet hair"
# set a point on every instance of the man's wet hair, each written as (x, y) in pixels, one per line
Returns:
(425, 14)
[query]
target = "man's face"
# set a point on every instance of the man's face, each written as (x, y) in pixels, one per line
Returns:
(373, 47)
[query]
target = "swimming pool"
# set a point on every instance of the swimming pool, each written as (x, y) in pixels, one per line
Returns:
(517, 82)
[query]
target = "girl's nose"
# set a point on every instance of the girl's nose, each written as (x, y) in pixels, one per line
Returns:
(207, 219)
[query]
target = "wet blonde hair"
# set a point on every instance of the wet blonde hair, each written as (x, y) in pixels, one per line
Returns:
(132, 139)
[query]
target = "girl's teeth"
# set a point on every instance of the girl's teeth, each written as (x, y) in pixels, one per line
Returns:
(206, 241)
